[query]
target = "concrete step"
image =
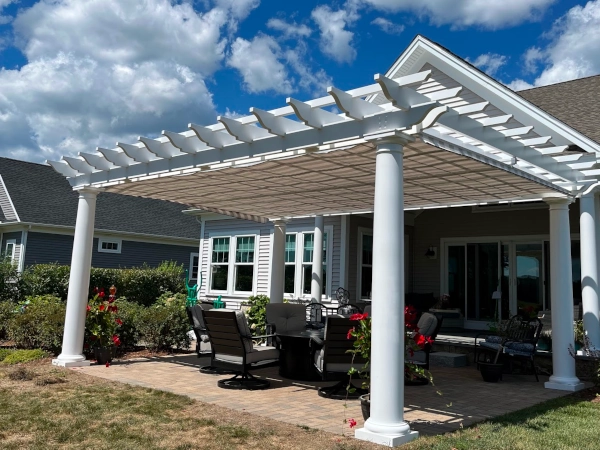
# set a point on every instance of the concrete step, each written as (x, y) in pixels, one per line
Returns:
(447, 359)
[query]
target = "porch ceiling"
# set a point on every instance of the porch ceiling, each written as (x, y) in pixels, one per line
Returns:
(339, 181)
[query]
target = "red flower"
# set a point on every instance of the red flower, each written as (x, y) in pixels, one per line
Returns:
(410, 314)
(359, 316)
(101, 294)
(116, 340)
(119, 321)
(349, 335)
(112, 308)
(107, 364)
(351, 423)
(95, 290)
(411, 352)
(101, 307)
(111, 298)
(88, 308)
(420, 340)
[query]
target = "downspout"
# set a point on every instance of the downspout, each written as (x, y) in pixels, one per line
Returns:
(24, 235)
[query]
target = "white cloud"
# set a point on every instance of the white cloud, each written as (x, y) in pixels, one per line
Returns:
(289, 30)
(491, 14)
(387, 26)
(5, 19)
(519, 85)
(335, 40)
(314, 82)
(490, 63)
(573, 48)
(106, 70)
(258, 61)
(237, 10)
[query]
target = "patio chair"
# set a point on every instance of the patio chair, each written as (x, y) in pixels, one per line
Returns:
(232, 349)
(429, 326)
(282, 317)
(332, 360)
(519, 342)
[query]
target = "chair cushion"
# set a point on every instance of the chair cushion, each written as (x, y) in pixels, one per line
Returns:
(518, 348)
(286, 317)
(490, 345)
(427, 324)
(333, 367)
(242, 323)
(258, 354)
(494, 339)
(367, 310)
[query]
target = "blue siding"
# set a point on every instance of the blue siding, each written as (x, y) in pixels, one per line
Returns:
(45, 248)
(12, 235)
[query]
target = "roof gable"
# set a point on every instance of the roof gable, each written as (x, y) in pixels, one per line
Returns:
(448, 70)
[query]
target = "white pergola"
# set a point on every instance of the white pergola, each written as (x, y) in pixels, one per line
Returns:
(416, 141)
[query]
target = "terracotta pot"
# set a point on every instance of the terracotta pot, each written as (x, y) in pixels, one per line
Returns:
(103, 355)
(491, 372)
(365, 405)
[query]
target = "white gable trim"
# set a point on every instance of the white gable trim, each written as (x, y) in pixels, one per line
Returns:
(6, 203)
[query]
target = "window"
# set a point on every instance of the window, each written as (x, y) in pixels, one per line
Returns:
(109, 245)
(244, 263)
(194, 265)
(307, 257)
(290, 264)
(219, 264)
(9, 249)
(366, 266)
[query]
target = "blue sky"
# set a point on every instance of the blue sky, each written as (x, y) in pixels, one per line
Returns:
(79, 74)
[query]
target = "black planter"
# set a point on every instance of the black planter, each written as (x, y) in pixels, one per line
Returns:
(491, 372)
(418, 381)
(103, 355)
(365, 405)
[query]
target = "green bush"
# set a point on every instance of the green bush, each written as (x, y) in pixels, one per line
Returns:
(129, 333)
(165, 325)
(23, 356)
(6, 312)
(257, 315)
(141, 285)
(39, 324)
(10, 281)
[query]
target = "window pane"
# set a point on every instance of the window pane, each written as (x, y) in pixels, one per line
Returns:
(290, 248)
(366, 280)
(194, 274)
(245, 250)
(307, 278)
(220, 253)
(324, 249)
(309, 245)
(219, 278)
(367, 250)
(290, 278)
(243, 278)
(324, 279)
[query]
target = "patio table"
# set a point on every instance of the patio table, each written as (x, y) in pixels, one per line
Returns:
(295, 356)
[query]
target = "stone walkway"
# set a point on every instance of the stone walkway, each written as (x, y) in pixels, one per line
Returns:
(466, 398)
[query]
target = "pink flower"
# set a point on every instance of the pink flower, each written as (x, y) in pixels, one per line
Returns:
(350, 331)
(359, 316)
(351, 423)
(88, 308)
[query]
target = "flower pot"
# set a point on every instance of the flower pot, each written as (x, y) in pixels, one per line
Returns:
(103, 355)
(491, 372)
(365, 405)
(417, 381)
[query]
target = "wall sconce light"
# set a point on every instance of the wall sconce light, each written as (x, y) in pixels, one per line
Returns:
(431, 253)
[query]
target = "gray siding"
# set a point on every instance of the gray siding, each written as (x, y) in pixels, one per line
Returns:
(238, 227)
(48, 248)
(433, 225)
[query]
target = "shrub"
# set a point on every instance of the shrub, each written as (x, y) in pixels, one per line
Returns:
(39, 324)
(257, 316)
(129, 313)
(142, 285)
(10, 281)
(6, 312)
(165, 325)
(23, 356)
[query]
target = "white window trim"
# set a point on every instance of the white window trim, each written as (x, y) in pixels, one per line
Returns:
(328, 230)
(191, 267)
(12, 242)
(361, 232)
(232, 235)
(291, 295)
(117, 241)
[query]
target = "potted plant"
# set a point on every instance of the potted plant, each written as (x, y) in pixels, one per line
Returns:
(413, 341)
(102, 324)
(579, 334)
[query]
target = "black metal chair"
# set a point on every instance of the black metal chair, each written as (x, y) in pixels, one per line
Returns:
(332, 360)
(232, 349)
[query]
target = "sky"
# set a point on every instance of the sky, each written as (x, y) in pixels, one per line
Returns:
(81, 74)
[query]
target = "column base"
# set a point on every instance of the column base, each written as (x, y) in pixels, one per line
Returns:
(70, 362)
(569, 385)
(385, 439)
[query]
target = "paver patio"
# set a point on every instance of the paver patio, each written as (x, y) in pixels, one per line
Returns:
(466, 398)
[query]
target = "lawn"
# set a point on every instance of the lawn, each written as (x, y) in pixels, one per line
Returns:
(46, 407)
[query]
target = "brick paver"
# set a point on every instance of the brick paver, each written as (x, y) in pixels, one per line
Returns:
(465, 397)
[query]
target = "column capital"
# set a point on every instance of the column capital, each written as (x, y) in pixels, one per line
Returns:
(558, 202)
(87, 191)
(280, 222)
(390, 137)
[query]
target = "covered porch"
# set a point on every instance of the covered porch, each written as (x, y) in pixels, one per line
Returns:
(410, 142)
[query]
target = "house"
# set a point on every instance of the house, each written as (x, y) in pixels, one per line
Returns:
(37, 222)
(435, 179)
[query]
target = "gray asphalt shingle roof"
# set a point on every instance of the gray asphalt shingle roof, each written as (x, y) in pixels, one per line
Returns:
(576, 103)
(41, 195)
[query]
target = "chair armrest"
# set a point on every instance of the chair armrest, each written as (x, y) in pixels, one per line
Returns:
(270, 328)
(262, 337)
(317, 340)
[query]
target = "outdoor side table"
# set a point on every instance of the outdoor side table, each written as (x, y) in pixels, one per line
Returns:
(295, 355)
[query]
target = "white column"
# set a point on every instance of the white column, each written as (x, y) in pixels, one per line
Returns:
(79, 282)
(561, 293)
(589, 267)
(277, 276)
(316, 285)
(386, 424)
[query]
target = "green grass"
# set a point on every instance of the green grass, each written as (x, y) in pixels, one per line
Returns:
(563, 423)
(10, 356)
